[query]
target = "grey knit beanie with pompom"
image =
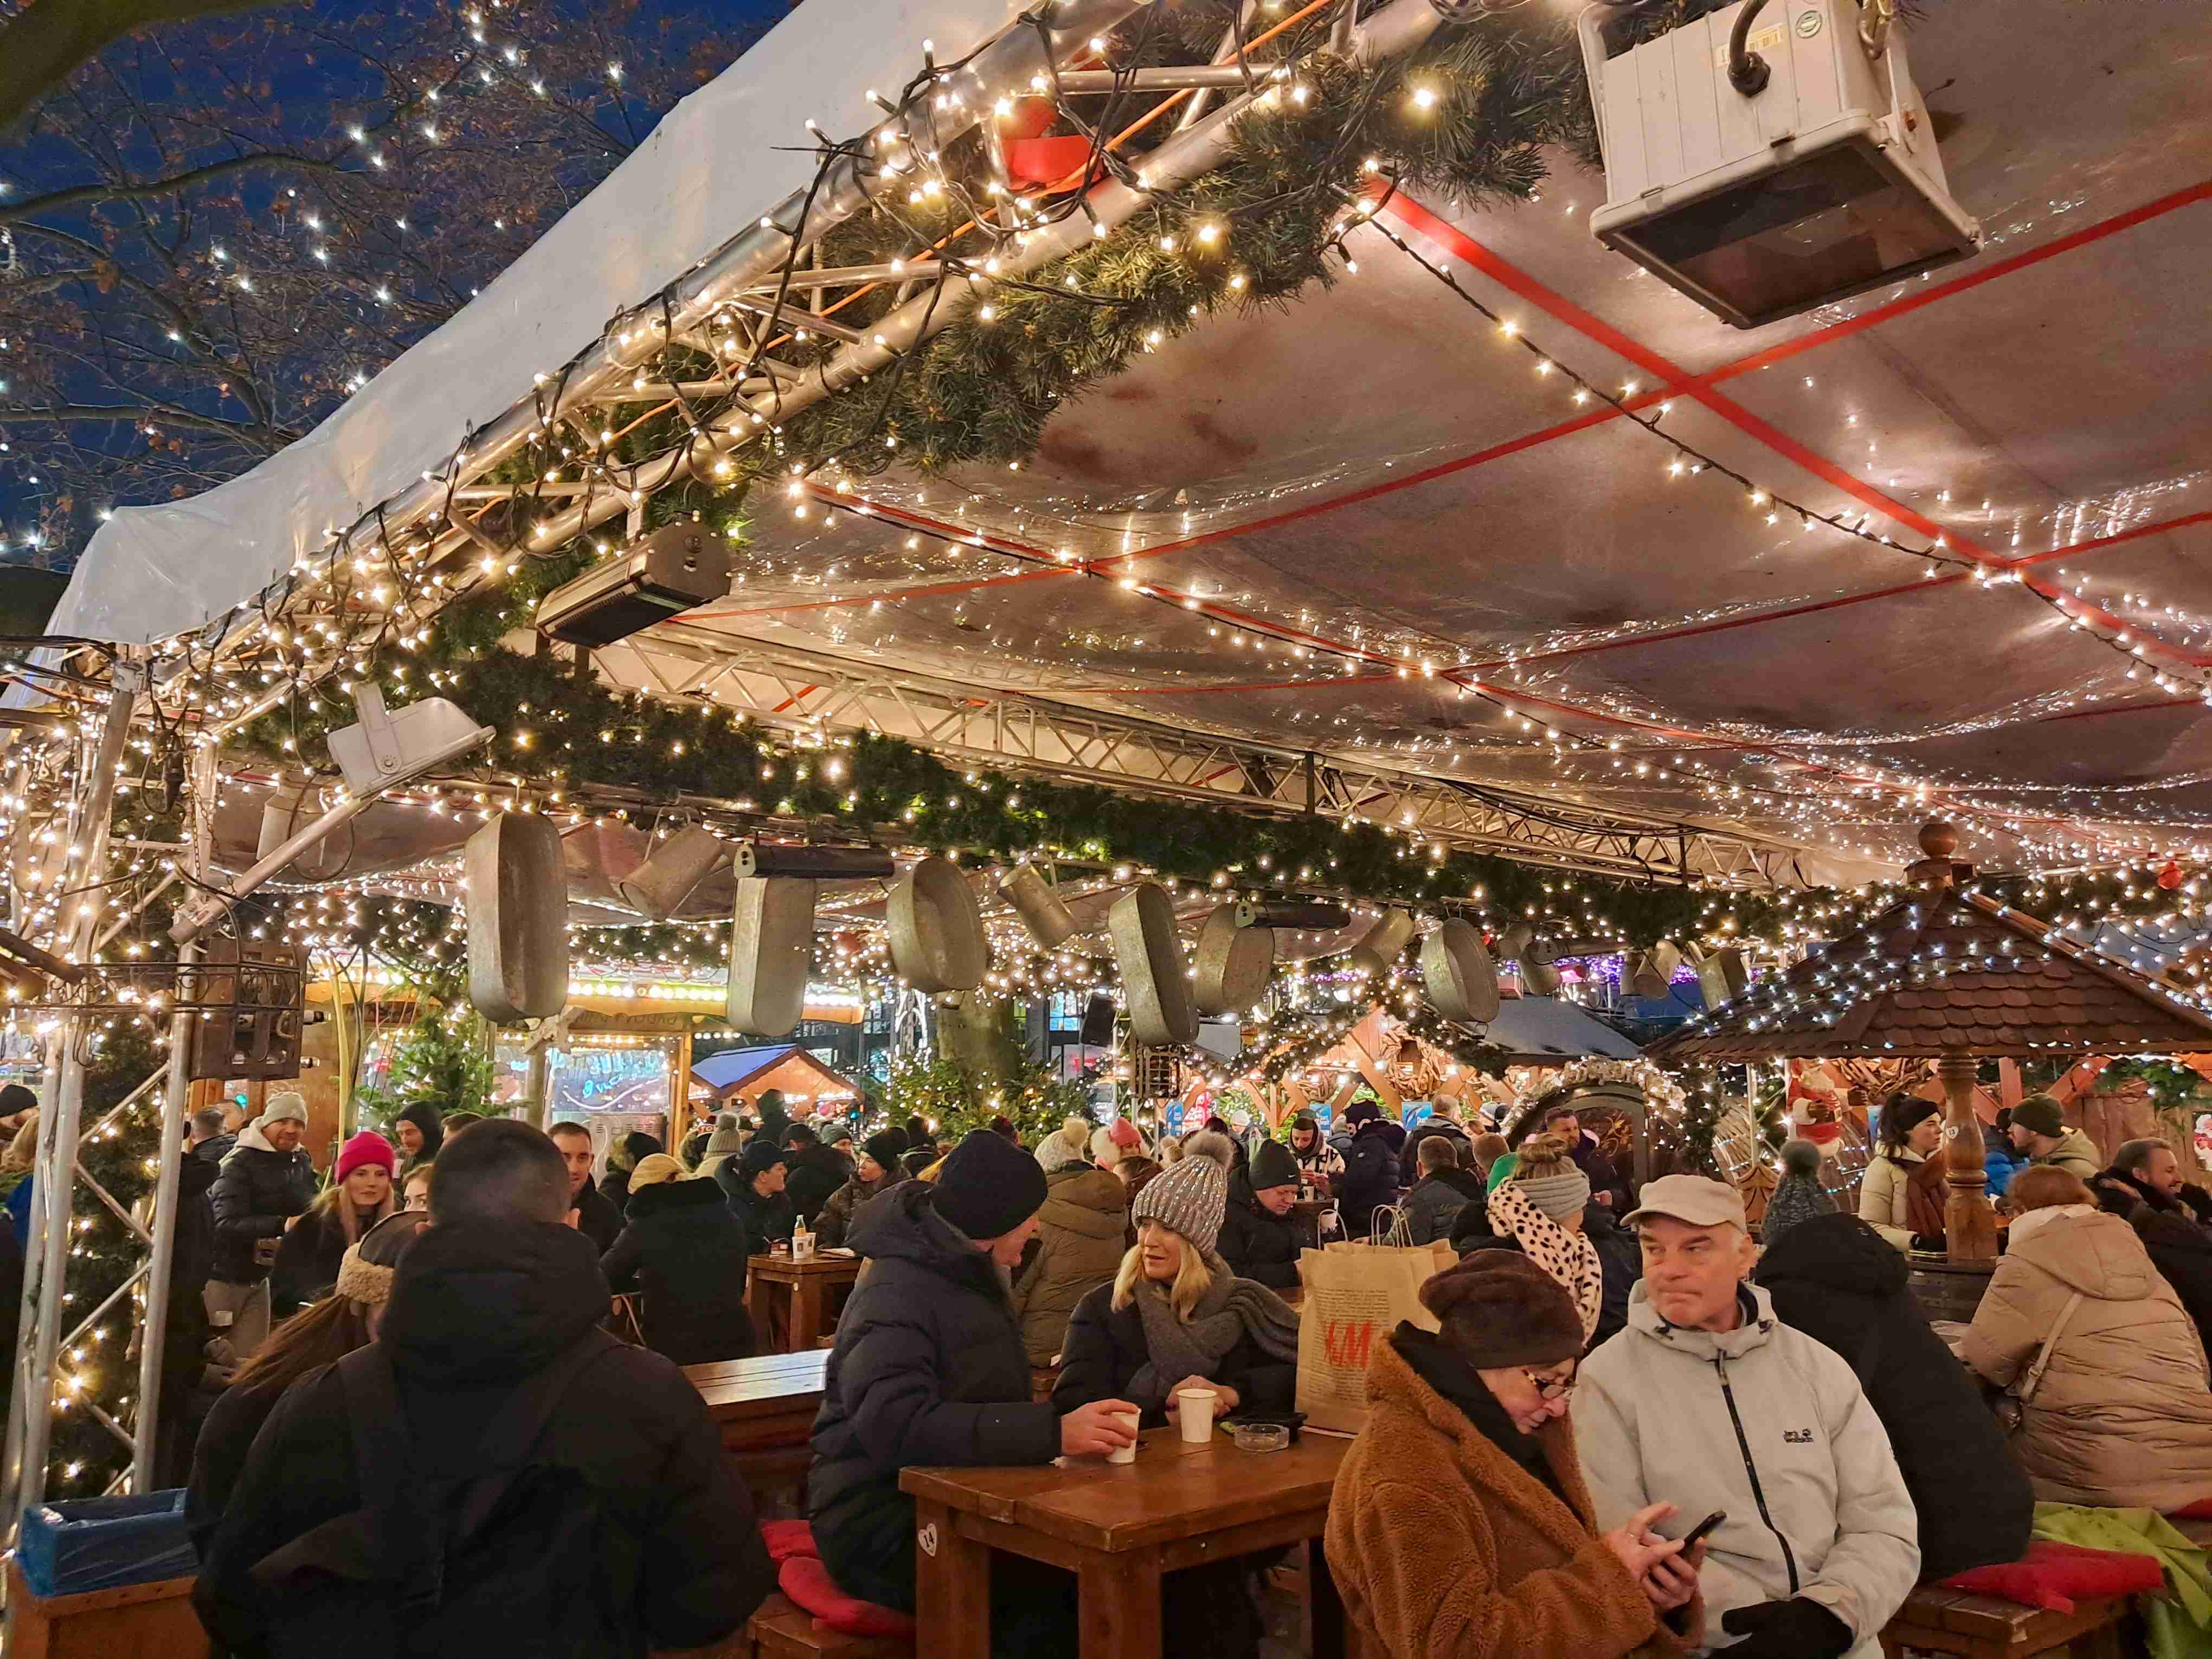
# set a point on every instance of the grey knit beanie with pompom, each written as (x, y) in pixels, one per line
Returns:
(1191, 1197)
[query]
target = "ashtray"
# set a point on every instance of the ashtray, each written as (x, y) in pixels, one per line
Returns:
(1261, 1437)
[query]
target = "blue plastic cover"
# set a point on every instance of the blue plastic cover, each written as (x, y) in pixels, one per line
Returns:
(97, 1543)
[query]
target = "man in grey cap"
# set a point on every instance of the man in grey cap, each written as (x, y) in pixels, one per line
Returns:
(1709, 1401)
(265, 1185)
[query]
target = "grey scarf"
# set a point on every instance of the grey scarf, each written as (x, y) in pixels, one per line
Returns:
(1230, 1308)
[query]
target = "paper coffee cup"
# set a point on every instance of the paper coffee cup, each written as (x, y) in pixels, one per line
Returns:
(1194, 1410)
(1126, 1454)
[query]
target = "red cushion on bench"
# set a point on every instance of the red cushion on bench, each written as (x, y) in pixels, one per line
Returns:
(785, 1539)
(807, 1582)
(2050, 1575)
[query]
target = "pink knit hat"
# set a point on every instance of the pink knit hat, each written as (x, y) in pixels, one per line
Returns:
(366, 1147)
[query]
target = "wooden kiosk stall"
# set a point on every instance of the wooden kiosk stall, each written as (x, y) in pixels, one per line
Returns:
(1952, 976)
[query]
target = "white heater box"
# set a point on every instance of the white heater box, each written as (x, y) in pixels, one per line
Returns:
(1826, 184)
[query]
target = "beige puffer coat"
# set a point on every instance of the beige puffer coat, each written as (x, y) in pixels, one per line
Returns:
(2122, 1418)
(1082, 1230)
(1882, 1194)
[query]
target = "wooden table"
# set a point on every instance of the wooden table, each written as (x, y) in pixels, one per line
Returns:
(801, 1289)
(1118, 1528)
(765, 1409)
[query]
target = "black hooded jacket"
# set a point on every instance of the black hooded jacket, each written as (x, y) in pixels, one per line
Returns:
(598, 1217)
(1409, 1157)
(423, 1115)
(1261, 1246)
(1841, 1283)
(814, 1174)
(929, 1369)
(475, 1311)
(686, 1252)
(764, 1220)
(1370, 1178)
(2181, 1250)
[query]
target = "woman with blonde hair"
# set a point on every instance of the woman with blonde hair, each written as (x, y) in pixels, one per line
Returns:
(359, 1196)
(2102, 1366)
(345, 1320)
(1175, 1315)
(17, 1180)
(1539, 1208)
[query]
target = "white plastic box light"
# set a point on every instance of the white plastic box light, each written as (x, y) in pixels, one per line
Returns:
(1809, 174)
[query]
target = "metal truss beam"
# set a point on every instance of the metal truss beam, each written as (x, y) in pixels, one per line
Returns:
(811, 691)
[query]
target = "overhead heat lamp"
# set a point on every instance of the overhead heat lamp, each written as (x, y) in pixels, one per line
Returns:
(1767, 160)
(674, 568)
(381, 751)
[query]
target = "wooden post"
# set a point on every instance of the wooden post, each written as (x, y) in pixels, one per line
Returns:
(679, 1091)
(1970, 1226)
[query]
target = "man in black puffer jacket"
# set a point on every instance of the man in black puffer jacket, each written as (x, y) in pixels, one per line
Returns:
(753, 1182)
(1260, 1236)
(929, 1369)
(1837, 1280)
(496, 1291)
(264, 1186)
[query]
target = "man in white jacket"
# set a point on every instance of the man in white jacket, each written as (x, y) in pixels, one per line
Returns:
(1708, 1401)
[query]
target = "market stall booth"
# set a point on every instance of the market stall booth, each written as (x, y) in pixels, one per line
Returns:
(1948, 974)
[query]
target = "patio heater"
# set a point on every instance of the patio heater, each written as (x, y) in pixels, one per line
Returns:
(1766, 162)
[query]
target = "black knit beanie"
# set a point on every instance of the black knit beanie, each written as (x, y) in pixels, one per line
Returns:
(1273, 1166)
(989, 1185)
(885, 1147)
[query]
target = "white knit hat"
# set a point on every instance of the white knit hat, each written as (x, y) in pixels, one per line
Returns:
(1191, 1197)
(1063, 1149)
(281, 1106)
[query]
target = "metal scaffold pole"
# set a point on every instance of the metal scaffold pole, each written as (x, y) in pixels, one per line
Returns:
(30, 1418)
(176, 1109)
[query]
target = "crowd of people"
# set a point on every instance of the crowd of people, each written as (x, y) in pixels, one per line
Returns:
(426, 1388)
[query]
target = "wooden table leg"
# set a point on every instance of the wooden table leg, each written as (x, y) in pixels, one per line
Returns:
(805, 1313)
(1121, 1606)
(760, 1303)
(952, 1588)
(1329, 1636)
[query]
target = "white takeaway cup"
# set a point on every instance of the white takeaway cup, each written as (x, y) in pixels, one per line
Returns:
(1127, 1454)
(1194, 1410)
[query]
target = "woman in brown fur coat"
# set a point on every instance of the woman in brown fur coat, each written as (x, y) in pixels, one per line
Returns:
(1460, 1528)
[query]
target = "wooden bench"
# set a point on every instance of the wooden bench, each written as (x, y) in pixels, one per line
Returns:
(1938, 1621)
(783, 1630)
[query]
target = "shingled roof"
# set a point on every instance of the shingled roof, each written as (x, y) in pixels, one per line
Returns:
(1944, 972)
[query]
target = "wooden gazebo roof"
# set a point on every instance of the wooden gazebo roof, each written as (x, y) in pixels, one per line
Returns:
(1945, 972)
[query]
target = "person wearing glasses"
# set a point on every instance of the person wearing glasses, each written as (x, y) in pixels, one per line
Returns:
(1708, 1400)
(1462, 1527)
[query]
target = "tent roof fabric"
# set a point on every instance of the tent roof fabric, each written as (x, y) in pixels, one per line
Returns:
(1950, 972)
(1534, 1030)
(1373, 475)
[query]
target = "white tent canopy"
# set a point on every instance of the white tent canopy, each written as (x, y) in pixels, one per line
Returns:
(716, 163)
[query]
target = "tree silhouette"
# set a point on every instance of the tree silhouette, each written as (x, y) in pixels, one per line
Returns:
(217, 230)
